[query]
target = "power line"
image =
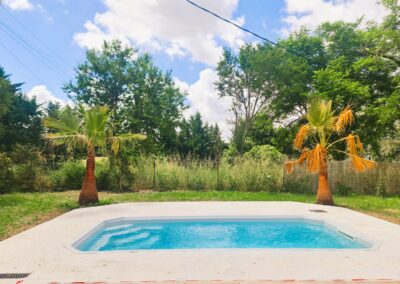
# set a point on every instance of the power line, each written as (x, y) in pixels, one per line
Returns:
(35, 36)
(52, 65)
(23, 64)
(243, 29)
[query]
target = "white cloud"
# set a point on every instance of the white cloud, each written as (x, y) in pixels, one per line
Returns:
(44, 96)
(204, 98)
(311, 13)
(18, 4)
(172, 26)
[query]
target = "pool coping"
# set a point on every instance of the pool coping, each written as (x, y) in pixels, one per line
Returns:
(45, 250)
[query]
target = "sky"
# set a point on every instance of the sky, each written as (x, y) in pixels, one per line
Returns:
(42, 41)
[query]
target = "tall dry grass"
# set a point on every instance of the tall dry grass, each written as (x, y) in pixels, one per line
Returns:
(168, 174)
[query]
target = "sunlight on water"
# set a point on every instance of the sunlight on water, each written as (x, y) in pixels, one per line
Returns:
(235, 233)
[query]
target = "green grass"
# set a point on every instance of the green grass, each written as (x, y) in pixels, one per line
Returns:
(19, 211)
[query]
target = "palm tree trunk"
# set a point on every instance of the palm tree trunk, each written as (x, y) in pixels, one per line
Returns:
(324, 195)
(89, 191)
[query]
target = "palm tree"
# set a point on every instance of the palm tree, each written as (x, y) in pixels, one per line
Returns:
(321, 124)
(89, 129)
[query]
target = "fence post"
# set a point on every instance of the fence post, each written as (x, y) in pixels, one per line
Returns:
(154, 174)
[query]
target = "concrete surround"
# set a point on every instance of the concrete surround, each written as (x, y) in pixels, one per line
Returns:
(45, 251)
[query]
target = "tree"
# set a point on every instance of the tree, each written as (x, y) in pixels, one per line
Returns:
(140, 97)
(321, 125)
(198, 139)
(89, 129)
(249, 92)
(20, 118)
(338, 61)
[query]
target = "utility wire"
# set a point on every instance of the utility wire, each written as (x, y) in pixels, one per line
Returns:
(244, 29)
(36, 37)
(23, 64)
(33, 50)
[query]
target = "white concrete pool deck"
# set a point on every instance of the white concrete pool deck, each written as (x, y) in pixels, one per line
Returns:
(45, 250)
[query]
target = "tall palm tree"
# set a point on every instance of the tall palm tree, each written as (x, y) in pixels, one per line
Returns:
(89, 129)
(321, 124)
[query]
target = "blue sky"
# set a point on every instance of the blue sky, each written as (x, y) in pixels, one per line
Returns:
(41, 41)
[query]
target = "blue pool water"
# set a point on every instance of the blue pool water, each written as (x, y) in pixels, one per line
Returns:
(216, 233)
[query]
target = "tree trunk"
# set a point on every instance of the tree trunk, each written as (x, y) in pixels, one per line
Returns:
(324, 195)
(89, 191)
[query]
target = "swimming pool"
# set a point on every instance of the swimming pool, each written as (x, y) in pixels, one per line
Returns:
(201, 233)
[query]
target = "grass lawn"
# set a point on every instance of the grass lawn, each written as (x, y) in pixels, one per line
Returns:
(19, 211)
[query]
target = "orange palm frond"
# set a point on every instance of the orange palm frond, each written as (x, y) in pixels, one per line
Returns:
(345, 118)
(301, 136)
(289, 166)
(359, 145)
(351, 145)
(361, 164)
(314, 158)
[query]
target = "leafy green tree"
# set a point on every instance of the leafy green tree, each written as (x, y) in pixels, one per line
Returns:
(88, 129)
(199, 140)
(249, 92)
(140, 97)
(20, 118)
(339, 62)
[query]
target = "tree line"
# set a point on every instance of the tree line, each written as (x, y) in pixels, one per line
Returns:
(271, 88)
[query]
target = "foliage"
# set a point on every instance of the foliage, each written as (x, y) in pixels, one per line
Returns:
(6, 173)
(141, 98)
(339, 61)
(240, 81)
(343, 190)
(241, 175)
(198, 139)
(266, 153)
(321, 126)
(88, 129)
(68, 176)
(20, 121)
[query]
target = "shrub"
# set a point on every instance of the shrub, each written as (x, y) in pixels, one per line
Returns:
(343, 190)
(380, 188)
(28, 167)
(266, 153)
(6, 174)
(68, 176)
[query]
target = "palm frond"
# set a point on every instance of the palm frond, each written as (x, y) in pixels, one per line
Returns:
(354, 144)
(351, 145)
(118, 141)
(289, 165)
(314, 158)
(321, 116)
(72, 141)
(96, 120)
(301, 136)
(359, 145)
(361, 164)
(345, 118)
(67, 125)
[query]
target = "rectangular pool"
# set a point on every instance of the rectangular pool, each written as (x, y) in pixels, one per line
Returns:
(158, 234)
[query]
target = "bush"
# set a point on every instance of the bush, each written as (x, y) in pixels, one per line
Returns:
(265, 153)
(6, 174)
(380, 188)
(343, 190)
(69, 176)
(28, 168)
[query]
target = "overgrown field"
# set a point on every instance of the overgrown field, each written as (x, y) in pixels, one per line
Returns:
(19, 211)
